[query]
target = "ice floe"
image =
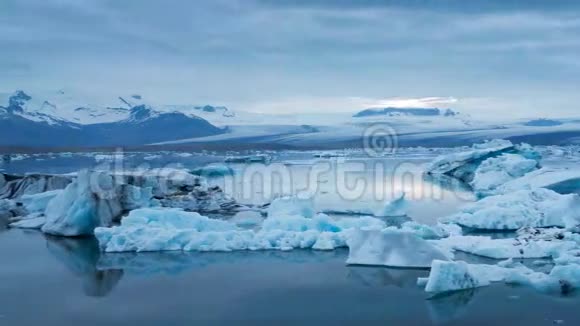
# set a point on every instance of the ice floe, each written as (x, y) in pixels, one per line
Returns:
(300, 205)
(497, 171)
(524, 208)
(446, 276)
(562, 180)
(37, 203)
(291, 224)
(463, 165)
(393, 248)
(519, 247)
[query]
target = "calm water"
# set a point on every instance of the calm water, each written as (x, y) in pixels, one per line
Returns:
(56, 281)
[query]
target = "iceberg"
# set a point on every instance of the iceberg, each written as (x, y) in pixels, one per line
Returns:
(392, 248)
(563, 181)
(37, 203)
(83, 205)
(163, 229)
(446, 276)
(178, 189)
(427, 232)
(93, 199)
(524, 208)
(247, 218)
(291, 206)
(463, 165)
(16, 186)
(520, 247)
(174, 219)
(561, 279)
(497, 171)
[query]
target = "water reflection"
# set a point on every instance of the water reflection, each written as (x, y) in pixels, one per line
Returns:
(81, 256)
(383, 277)
(446, 307)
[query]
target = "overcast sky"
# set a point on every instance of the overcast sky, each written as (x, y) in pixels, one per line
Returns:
(517, 58)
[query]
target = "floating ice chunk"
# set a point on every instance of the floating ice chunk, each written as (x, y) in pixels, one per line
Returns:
(396, 207)
(561, 279)
(393, 248)
(161, 229)
(425, 231)
(524, 208)
(521, 247)
(174, 218)
(33, 221)
(462, 165)
(17, 186)
(320, 223)
(563, 181)
(496, 171)
(247, 218)
(37, 203)
(282, 207)
(448, 276)
(83, 205)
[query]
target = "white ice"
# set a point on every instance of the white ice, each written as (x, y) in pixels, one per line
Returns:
(300, 205)
(448, 276)
(551, 178)
(33, 221)
(524, 208)
(521, 247)
(37, 203)
(163, 229)
(497, 171)
(393, 248)
(447, 163)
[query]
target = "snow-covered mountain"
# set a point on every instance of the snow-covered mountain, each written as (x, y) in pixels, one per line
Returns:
(27, 121)
(397, 112)
(86, 109)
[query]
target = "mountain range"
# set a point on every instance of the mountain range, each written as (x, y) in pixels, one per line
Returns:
(30, 122)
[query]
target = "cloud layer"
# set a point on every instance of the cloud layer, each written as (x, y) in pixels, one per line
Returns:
(252, 54)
